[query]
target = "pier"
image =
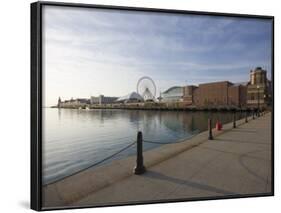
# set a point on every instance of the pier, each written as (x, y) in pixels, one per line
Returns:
(237, 161)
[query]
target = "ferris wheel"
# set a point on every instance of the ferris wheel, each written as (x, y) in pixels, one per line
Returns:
(146, 88)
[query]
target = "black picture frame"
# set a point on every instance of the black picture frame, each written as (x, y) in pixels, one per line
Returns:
(36, 98)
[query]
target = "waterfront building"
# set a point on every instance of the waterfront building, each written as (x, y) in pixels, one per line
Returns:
(189, 92)
(256, 92)
(237, 94)
(102, 100)
(132, 97)
(73, 103)
(259, 89)
(82, 101)
(94, 100)
(79, 102)
(212, 94)
(208, 94)
(173, 94)
(216, 94)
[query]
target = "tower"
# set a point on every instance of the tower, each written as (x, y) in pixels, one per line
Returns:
(258, 76)
(59, 102)
(258, 91)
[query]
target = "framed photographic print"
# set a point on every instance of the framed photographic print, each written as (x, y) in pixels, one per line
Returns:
(140, 105)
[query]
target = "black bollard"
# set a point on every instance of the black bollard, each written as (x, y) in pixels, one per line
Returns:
(139, 169)
(210, 129)
(246, 117)
(234, 120)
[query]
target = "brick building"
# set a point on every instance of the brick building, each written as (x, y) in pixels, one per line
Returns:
(188, 94)
(222, 93)
(212, 94)
(237, 95)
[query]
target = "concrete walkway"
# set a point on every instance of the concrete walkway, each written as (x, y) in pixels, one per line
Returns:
(237, 162)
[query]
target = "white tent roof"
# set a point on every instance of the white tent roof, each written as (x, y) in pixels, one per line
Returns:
(130, 96)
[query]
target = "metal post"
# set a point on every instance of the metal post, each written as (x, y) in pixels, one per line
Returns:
(258, 112)
(246, 117)
(210, 129)
(139, 169)
(234, 120)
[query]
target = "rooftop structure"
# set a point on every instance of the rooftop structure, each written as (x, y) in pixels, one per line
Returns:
(131, 97)
(173, 94)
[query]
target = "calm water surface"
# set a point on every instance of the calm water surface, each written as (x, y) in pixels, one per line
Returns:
(75, 139)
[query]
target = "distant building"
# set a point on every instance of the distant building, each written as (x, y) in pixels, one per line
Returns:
(208, 94)
(94, 100)
(222, 93)
(189, 94)
(73, 103)
(237, 95)
(259, 89)
(107, 100)
(82, 101)
(212, 94)
(132, 97)
(255, 93)
(102, 99)
(173, 94)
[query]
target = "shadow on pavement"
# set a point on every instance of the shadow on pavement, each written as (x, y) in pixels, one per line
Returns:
(159, 176)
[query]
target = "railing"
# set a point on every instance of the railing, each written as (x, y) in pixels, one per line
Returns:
(95, 164)
(113, 155)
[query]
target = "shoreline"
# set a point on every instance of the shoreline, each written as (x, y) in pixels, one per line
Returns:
(156, 108)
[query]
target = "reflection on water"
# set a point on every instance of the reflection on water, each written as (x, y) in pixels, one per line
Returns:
(75, 139)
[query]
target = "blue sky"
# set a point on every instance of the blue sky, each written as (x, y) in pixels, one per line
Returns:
(96, 51)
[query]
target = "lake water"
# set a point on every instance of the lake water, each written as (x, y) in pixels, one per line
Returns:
(75, 139)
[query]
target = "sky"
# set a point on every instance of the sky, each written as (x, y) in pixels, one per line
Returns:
(89, 52)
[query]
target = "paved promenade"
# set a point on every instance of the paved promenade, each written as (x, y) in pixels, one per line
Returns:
(237, 162)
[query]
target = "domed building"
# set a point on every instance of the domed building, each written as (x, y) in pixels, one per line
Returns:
(173, 94)
(132, 97)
